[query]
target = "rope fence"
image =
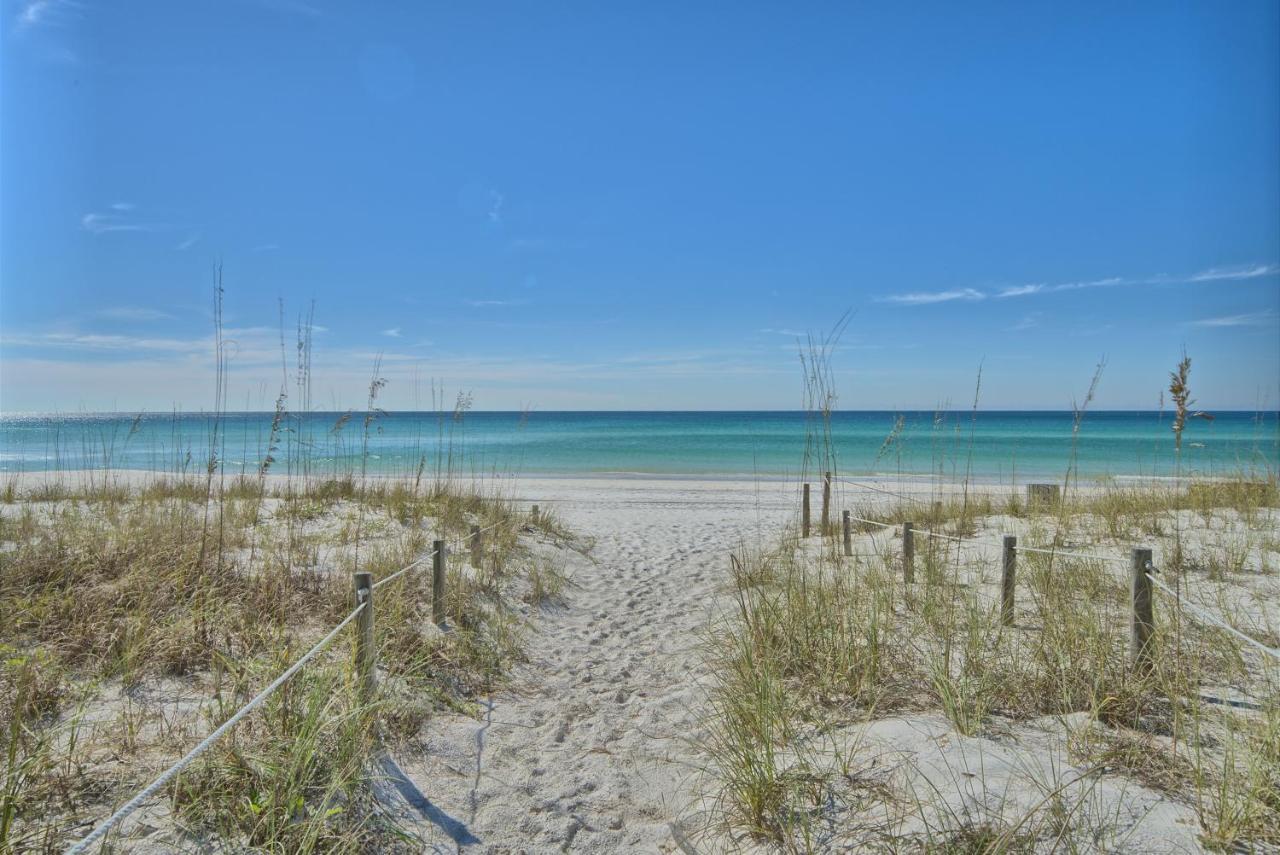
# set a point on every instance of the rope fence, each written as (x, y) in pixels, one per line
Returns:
(208, 742)
(1140, 562)
(1207, 617)
(366, 665)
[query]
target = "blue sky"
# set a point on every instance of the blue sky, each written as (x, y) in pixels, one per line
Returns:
(639, 205)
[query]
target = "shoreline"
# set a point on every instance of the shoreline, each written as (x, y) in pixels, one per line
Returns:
(880, 479)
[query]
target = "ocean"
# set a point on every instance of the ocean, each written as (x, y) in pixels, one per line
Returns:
(989, 445)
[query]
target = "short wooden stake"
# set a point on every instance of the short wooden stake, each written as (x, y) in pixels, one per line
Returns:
(937, 512)
(846, 528)
(477, 546)
(1007, 579)
(908, 552)
(804, 513)
(535, 514)
(366, 651)
(437, 583)
(1143, 619)
(1043, 495)
(826, 504)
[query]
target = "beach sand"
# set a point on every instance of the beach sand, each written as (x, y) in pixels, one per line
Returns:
(594, 746)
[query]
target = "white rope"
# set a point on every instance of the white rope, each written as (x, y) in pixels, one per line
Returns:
(408, 567)
(1213, 619)
(1061, 552)
(872, 522)
(169, 774)
(930, 533)
(881, 490)
(396, 575)
(1068, 553)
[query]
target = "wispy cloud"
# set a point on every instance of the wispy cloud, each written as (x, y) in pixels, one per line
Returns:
(1214, 274)
(266, 247)
(480, 304)
(135, 313)
(924, 298)
(41, 12)
(394, 332)
(1026, 322)
(1250, 319)
(1021, 290)
(103, 223)
(1252, 271)
(247, 345)
(784, 331)
(1042, 288)
(102, 341)
(188, 243)
(496, 200)
(120, 217)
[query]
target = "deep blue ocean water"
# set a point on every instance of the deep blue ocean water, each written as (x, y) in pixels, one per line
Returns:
(991, 445)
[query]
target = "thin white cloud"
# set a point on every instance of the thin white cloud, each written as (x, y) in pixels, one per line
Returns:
(104, 223)
(394, 332)
(480, 304)
(135, 313)
(1021, 290)
(1027, 322)
(266, 247)
(188, 243)
(1252, 271)
(120, 217)
(924, 298)
(39, 12)
(784, 331)
(1041, 288)
(1213, 274)
(1250, 319)
(101, 341)
(496, 201)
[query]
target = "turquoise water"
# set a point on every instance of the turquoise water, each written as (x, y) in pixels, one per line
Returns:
(993, 445)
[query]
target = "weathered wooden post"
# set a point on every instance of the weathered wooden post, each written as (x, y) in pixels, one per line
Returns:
(937, 512)
(826, 504)
(846, 527)
(1046, 495)
(1007, 579)
(1143, 619)
(535, 514)
(908, 552)
(366, 651)
(804, 513)
(437, 583)
(477, 546)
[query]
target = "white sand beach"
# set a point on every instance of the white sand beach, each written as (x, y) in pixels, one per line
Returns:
(595, 745)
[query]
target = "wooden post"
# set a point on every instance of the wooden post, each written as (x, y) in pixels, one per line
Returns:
(437, 583)
(908, 552)
(1143, 619)
(1006, 579)
(826, 504)
(477, 546)
(804, 513)
(366, 652)
(937, 512)
(535, 514)
(846, 527)
(1043, 494)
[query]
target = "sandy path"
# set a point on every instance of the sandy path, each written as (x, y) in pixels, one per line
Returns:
(588, 750)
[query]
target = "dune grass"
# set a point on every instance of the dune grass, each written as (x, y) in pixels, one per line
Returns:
(820, 643)
(141, 616)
